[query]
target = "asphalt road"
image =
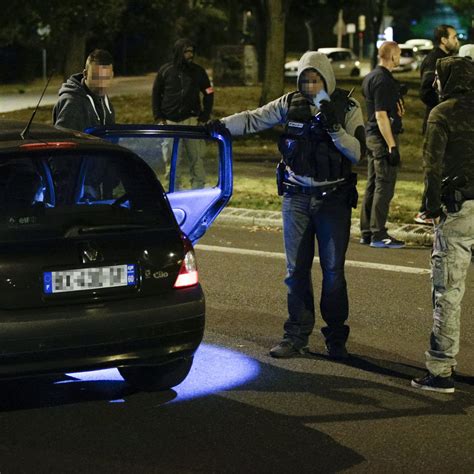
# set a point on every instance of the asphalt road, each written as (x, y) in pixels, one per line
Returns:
(120, 86)
(241, 411)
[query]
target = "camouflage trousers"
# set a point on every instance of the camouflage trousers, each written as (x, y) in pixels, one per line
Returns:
(192, 151)
(450, 260)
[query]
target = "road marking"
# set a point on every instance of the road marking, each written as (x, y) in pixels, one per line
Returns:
(349, 263)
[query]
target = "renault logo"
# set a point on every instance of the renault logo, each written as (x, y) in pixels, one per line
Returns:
(90, 253)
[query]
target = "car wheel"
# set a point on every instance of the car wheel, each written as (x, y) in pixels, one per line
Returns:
(157, 377)
(355, 72)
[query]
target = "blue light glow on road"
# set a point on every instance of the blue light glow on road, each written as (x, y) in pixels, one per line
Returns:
(215, 369)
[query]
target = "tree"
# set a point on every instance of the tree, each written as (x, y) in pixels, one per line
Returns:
(273, 81)
(467, 8)
(71, 23)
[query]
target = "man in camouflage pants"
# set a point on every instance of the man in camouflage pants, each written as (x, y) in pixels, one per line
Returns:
(448, 156)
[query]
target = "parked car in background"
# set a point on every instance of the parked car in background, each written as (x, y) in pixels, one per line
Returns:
(420, 53)
(419, 43)
(98, 267)
(408, 60)
(343, 61)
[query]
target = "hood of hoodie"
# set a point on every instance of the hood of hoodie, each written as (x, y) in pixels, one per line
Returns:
(178, 51)
(321, 63)
(456, 76)
(73, 85)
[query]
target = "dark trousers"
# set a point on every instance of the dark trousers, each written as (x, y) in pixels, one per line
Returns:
(304, 218)
(381, 179)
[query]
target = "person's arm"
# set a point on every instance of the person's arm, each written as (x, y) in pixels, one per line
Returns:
(157, 97)
(252, 121)
(208, 97)
(428, 94)
(385, 128)
(69, 114)
(434, 147)
(350, 139)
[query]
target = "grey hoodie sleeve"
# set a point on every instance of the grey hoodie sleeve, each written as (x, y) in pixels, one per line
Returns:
(252, 121)
(345, 139)
(68, 113)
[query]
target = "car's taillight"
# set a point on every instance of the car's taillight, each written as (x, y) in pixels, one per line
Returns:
(188, 274)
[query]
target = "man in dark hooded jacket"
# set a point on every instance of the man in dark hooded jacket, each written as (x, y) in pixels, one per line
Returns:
(176, 100)
(83, 101)
(324, 136)
(448, 157)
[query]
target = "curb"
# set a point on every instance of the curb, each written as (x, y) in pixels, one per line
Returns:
(416, 234)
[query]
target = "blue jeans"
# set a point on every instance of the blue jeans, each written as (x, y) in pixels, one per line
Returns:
(304, 218)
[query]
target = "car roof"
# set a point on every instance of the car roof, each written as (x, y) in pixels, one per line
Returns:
(333, 50)
(10, 136)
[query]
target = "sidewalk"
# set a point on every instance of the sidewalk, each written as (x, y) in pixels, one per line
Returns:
(414, 234)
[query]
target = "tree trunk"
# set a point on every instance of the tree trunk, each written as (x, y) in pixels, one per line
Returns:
(377, 9)
(273, 82)
(75, 53)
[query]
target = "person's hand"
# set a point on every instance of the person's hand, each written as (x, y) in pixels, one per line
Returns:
(328, 119)
(202, 119)
(401, 107)
(215, 126)
(393, 156)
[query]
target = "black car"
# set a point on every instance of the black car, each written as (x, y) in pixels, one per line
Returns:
(95, 270)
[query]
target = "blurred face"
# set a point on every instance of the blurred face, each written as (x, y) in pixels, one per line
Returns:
(98, 77)
(188, 54)
(451, 43)
(311, 83)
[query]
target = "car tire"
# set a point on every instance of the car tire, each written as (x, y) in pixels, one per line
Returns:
(355, 72)
(157, 377)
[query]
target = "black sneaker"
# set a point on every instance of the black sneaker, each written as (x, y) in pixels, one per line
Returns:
(387, 242)
(286, 349)
(337, 350)
(435, 383)
(365, 239)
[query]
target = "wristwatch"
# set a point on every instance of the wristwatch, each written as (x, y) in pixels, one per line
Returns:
(334, 128)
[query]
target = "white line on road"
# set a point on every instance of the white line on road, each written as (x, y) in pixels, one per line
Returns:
(349, 263)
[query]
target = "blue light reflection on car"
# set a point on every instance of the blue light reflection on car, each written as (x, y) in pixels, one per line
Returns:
(215, 369)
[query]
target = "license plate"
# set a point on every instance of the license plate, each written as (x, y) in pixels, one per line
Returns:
(82, 279)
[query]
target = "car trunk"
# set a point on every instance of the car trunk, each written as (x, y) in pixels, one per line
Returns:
(83, 227)
(155, 255)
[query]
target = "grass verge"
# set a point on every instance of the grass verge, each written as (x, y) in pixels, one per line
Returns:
(255, 156)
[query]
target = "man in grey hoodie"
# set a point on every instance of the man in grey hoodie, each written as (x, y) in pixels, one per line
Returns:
(324, 136)
(83, 101)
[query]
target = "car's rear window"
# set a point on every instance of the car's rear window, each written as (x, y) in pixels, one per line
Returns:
(50, 195)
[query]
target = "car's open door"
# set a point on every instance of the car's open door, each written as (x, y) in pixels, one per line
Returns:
(194, 167)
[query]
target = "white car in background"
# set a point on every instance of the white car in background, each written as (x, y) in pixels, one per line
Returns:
(343, 61)
(419, 43)
(408, 59)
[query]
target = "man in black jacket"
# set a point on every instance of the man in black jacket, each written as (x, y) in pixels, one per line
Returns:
(176, 100)
(447, 44)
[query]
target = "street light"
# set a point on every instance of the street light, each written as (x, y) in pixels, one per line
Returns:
(43, 32)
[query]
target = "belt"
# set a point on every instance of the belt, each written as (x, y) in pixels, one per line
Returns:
(318, 191)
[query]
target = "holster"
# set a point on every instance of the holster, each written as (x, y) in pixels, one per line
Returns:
(280, 177)
(353, 194)
(451, 194)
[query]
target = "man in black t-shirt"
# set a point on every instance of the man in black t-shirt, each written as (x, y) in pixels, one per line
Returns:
(385, 110)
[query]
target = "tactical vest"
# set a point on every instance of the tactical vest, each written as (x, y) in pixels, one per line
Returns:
(308, 149)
